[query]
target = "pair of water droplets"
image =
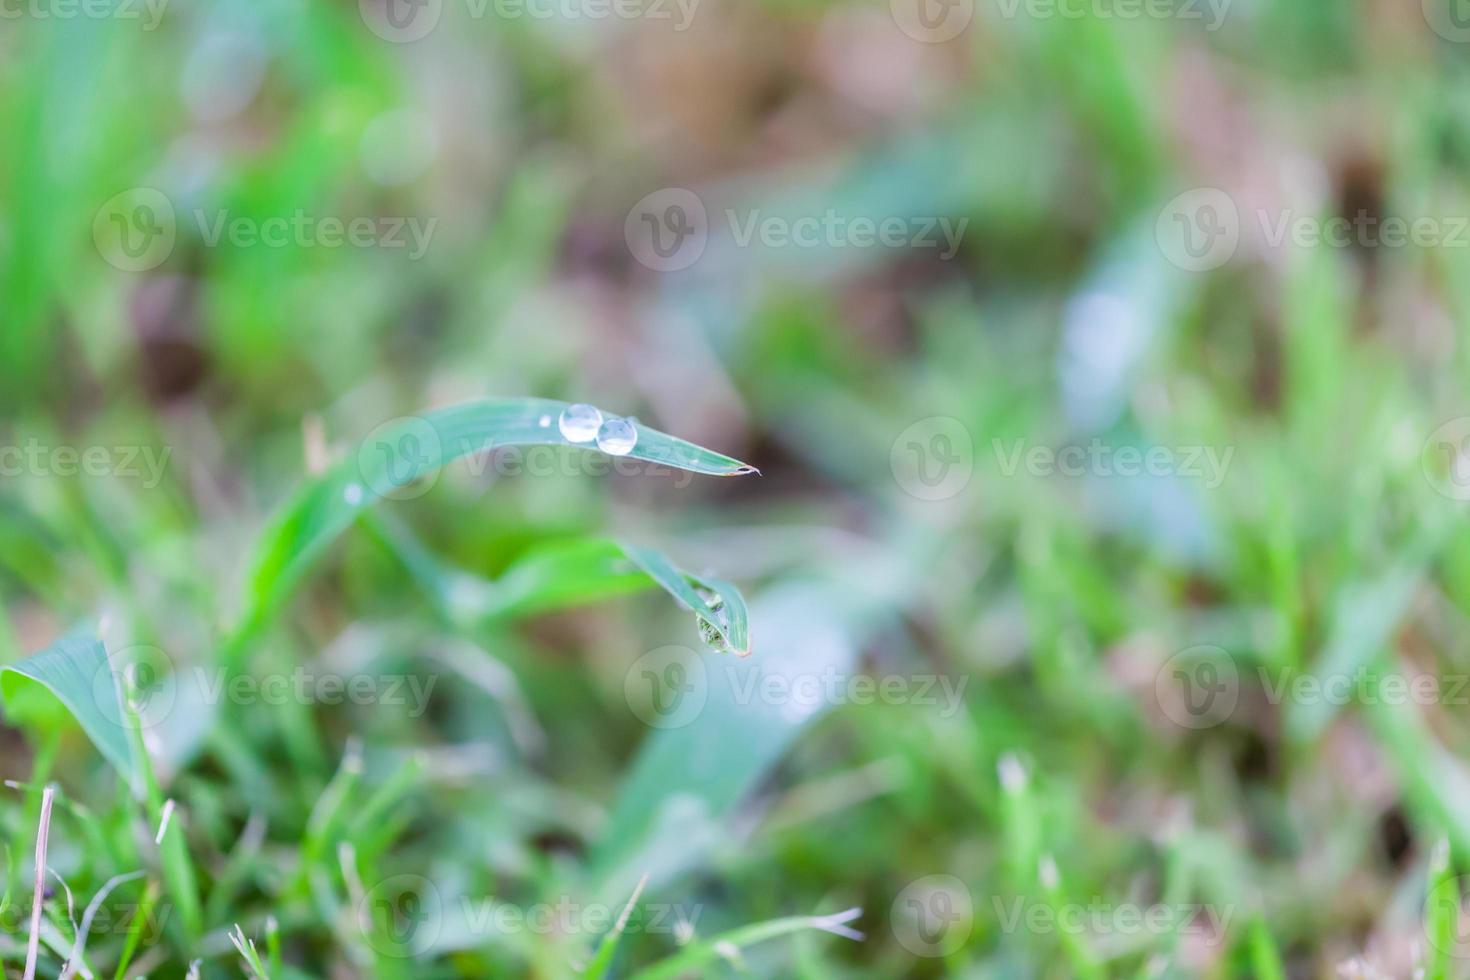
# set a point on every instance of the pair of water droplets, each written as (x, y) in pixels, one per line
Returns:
(584, 423)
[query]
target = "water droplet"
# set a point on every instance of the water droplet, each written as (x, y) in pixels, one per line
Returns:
(579, 423)
(352, 493)
(617, 437)
(712, 636)
(544, 421)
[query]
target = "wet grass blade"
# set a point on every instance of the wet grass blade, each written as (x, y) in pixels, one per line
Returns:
(395, 456)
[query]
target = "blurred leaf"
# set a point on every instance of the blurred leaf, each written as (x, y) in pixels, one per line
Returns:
(74, 669)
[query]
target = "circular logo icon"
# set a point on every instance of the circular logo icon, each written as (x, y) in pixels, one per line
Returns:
(1199, 230)
(934, 458)
(1446, 459)
(667, 230)
(135, 682)
(932, 21)
(1450, 19)
(402, 916)
(1198, 687)
(667, 687)
(400, 459)
(400, 21)
(134, 231)
(933, 916)
(1446, 904)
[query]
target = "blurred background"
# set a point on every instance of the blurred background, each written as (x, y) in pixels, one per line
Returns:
(1102, 361)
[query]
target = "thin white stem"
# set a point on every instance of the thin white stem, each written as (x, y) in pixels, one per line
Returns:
(43, 834)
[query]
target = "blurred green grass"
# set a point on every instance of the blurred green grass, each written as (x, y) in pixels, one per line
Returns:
(1290, 838)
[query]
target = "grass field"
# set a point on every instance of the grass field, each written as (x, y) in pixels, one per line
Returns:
(684, 488)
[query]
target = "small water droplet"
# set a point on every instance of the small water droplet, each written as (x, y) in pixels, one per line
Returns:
(352, 493)
(617, 437)
(712, 636)
(544, 421)
(579, 423)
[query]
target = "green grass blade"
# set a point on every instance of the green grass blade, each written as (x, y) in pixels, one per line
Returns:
(691, 960)
(74, 669)
(395, 456)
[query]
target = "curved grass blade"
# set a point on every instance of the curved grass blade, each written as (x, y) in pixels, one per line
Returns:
(396, 455)
(76, 671)
(696, 957)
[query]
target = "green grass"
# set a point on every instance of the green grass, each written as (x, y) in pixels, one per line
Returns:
(345, 664)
